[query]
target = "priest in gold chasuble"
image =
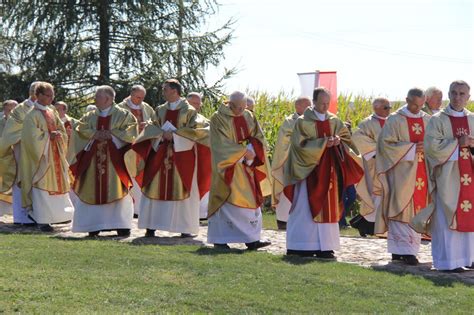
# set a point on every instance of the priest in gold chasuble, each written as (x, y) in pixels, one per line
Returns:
(203, 155)
(102, 182)
(11, 138)
(240, 176)
(369, 190)
(322, 162)
(279, 201)
(44, 177)
(401, 170)
(449, 148)
(7, 163)
(144, 114)
(168, 177)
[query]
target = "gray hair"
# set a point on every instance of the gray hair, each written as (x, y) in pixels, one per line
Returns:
(237, 96)
(380, 101)
(60, 103)
(106, 89)
(250, 101)
(431, 91)
(459, 82)
(8, 102)
(137, 87)
(415, 92)
(90, 108)
(33, 86)
(193, 94)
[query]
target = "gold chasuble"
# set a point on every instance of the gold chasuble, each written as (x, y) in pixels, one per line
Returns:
(451, 179)
(142, 113)
(280, 155)
(365, 139)
(11, 136)
(101, 176)
(234, 181)
(400, 170)
(7, 167)
(328, 171)
(43, 162)
(167, 173)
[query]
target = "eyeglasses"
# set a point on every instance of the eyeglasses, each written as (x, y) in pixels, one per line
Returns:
(387, 107)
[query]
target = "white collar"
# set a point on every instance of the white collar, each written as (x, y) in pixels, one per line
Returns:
(133, 106)
(39, 106)
(174, 104)
(451, 112)
(406, 112)
(104, 112)
(64, 119)
(29, 102)
(321, 117)
(379, 117)
(434, 111)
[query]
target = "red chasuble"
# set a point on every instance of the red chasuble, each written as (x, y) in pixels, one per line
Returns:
(103, 151)
(416, 131)
(254, 176)
(464, 210)
(204, 170)
(50, 122)
(164, 161)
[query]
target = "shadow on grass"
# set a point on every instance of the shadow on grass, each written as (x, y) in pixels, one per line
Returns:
(139, 241)
(298, 260)
(10, 228)
(211, 251)
(438, 278)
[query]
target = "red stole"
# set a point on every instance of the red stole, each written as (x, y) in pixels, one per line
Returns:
(138, 113)
(50, 122)
(103, 151)
(416, 131)
(254, 176)
(164, 161)
(204, 170)
(464, 210)
(381, 122)
(325, 184)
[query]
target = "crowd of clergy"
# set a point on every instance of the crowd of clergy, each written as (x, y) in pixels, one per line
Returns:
(171, 167)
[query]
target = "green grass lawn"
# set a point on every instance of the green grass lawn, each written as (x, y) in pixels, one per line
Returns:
(41, 274)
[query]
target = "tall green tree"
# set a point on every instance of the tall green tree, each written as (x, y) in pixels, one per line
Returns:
(78, 44)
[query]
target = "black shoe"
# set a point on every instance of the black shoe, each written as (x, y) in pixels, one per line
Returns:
(27, 224)
(135, 216)
(256, 245)
(186, 235)
(326, 254)
(221, 246)
(123, 232)
(94, 233)
(456, 270)
(150, 233)
(301, 253)
(410, 260)
(45, 228)
(471, 267)
(281, 225)
(396, 257)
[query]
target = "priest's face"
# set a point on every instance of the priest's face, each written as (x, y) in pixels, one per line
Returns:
(61, 109)
(301, 105)
(382, 109)
(195, 101)
(137, 97)
(415, 103)
(435, 100)
(102, 100)
(458, 96)
(238, 107)
(8, 107)
(45, 98)
(321, 105)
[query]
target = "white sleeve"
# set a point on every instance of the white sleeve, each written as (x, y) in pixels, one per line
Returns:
(410, 156)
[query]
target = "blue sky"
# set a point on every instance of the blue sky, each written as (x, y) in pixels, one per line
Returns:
(378, 48)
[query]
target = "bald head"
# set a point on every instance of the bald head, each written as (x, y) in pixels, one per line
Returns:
(381, 106)
(301, 104)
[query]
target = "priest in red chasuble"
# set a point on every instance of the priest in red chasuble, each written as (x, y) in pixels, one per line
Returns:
(144, 114)
(321, 163)
(102, 182)
(449, 144)
(168, 176)
(44, 176)
(240, 176)
(401, 170)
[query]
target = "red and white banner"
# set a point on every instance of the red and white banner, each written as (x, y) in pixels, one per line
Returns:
(327, 79)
